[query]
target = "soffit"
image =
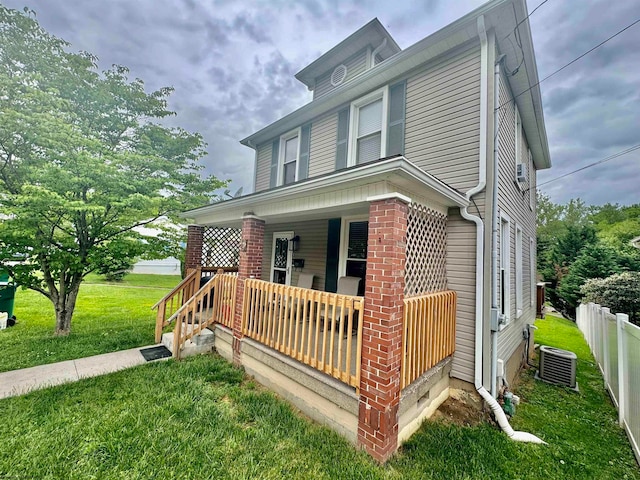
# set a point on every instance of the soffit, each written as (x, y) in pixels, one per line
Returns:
(334, 195)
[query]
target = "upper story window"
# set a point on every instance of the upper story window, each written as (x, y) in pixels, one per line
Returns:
(289, 155)
(520, 166)
(368, 128)
(532, 183)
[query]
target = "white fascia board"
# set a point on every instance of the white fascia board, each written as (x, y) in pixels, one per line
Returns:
(388, 169)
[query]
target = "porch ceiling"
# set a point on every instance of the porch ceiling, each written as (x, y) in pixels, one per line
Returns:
(336, 194)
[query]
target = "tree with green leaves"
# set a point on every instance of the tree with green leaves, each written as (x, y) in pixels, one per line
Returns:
(84, 160)
(595, 260)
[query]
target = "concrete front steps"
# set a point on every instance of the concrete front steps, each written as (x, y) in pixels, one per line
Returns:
(201, 343)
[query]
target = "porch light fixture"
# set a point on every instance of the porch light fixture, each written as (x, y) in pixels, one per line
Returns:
(243, 245)
(294, 243)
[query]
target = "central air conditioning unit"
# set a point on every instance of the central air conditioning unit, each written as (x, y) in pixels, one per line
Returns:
(521, 173)
(557, 367)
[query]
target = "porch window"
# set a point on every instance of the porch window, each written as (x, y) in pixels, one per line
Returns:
(355, 250)
(290, 153)
(368, 130)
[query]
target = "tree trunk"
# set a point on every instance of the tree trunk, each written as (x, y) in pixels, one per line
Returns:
(64, 308)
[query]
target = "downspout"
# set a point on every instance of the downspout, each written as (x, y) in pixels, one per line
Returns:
(376, 51)
(482, 182)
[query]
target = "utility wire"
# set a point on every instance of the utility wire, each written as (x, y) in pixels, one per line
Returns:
(611, 157)
(525, 19)
(570, 63)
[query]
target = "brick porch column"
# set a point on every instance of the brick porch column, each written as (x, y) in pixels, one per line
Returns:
(193, 254)
(382, 326)
(250, 266)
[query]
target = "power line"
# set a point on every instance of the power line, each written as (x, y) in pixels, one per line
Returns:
(611, 157)
(525, 19)
(570, 63)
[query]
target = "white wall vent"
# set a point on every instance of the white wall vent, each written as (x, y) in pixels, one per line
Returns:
(557, 366)
(521, 173)
(338, 75)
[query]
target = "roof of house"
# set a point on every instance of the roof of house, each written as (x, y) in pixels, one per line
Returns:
(501, 15)
(316, 197)
(372, 34)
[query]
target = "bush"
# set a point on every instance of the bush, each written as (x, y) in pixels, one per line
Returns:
(594, 261)
(620, 292)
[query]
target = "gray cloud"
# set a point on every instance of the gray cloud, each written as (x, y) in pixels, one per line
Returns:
(232, 65)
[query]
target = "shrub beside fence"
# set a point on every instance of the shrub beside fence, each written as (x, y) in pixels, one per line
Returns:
(615, 344)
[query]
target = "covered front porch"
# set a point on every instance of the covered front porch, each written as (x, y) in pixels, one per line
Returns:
(381, 353)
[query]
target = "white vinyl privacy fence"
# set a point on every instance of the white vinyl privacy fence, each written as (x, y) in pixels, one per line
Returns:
(615, 344)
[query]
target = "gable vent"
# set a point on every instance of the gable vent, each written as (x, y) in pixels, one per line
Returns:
(557, 366)
(338, 75)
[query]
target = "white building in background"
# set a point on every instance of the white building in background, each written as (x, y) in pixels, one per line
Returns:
(166, 266)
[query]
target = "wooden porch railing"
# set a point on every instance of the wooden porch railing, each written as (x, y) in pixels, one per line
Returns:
(172, 301)
(213, 303)
(429, 333)
(316, 328)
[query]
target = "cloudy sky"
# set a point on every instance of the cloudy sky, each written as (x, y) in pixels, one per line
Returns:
(232, 64)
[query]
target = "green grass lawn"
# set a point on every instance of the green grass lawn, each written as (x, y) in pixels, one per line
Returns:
(108, 317)
(201, 418)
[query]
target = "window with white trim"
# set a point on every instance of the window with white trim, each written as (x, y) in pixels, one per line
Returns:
(532, 271)
(368, 128)
(505, 270)
(518, 146)
(532, 184)
(518, 271)
(353, 249)
(289, 156)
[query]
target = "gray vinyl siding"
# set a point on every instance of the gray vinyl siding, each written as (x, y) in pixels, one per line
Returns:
(461, 240)
(322, 154)
(356, 65)
(514, 202)
(443, 119)
(442, 137)
(263, 165)
(313, 249)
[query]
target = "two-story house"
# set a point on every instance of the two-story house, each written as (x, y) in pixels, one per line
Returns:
(410, 179)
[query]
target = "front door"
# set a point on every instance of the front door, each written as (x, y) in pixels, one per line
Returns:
(281, 258)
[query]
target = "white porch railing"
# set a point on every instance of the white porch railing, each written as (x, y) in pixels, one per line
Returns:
(615, 344)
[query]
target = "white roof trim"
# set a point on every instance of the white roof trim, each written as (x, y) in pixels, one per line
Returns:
(388, 196)
(393, 171)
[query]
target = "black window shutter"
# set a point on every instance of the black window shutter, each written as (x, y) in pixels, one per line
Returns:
(305, 145)
(395, 131)
(343, 136)
(333, 252)
(275, 150)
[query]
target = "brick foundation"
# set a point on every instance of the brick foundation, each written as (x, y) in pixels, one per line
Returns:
(250, 266)
(382, 328)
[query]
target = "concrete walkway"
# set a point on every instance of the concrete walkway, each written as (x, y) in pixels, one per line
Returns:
(19, 382)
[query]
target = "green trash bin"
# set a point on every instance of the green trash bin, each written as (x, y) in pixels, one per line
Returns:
(7, 297)
(7, 293)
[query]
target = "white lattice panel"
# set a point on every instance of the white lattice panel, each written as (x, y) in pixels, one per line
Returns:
(425, 270)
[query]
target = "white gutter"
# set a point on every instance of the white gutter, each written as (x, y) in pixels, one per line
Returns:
(376, 51)
(482, 182)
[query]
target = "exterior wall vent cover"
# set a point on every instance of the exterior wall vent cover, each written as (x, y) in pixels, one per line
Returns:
(557, 367)
(338, 75)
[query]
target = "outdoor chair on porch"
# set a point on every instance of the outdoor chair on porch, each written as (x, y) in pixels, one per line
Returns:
(305, 280)
(346, 286)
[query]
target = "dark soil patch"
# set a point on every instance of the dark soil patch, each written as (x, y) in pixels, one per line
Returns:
(463, 410)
